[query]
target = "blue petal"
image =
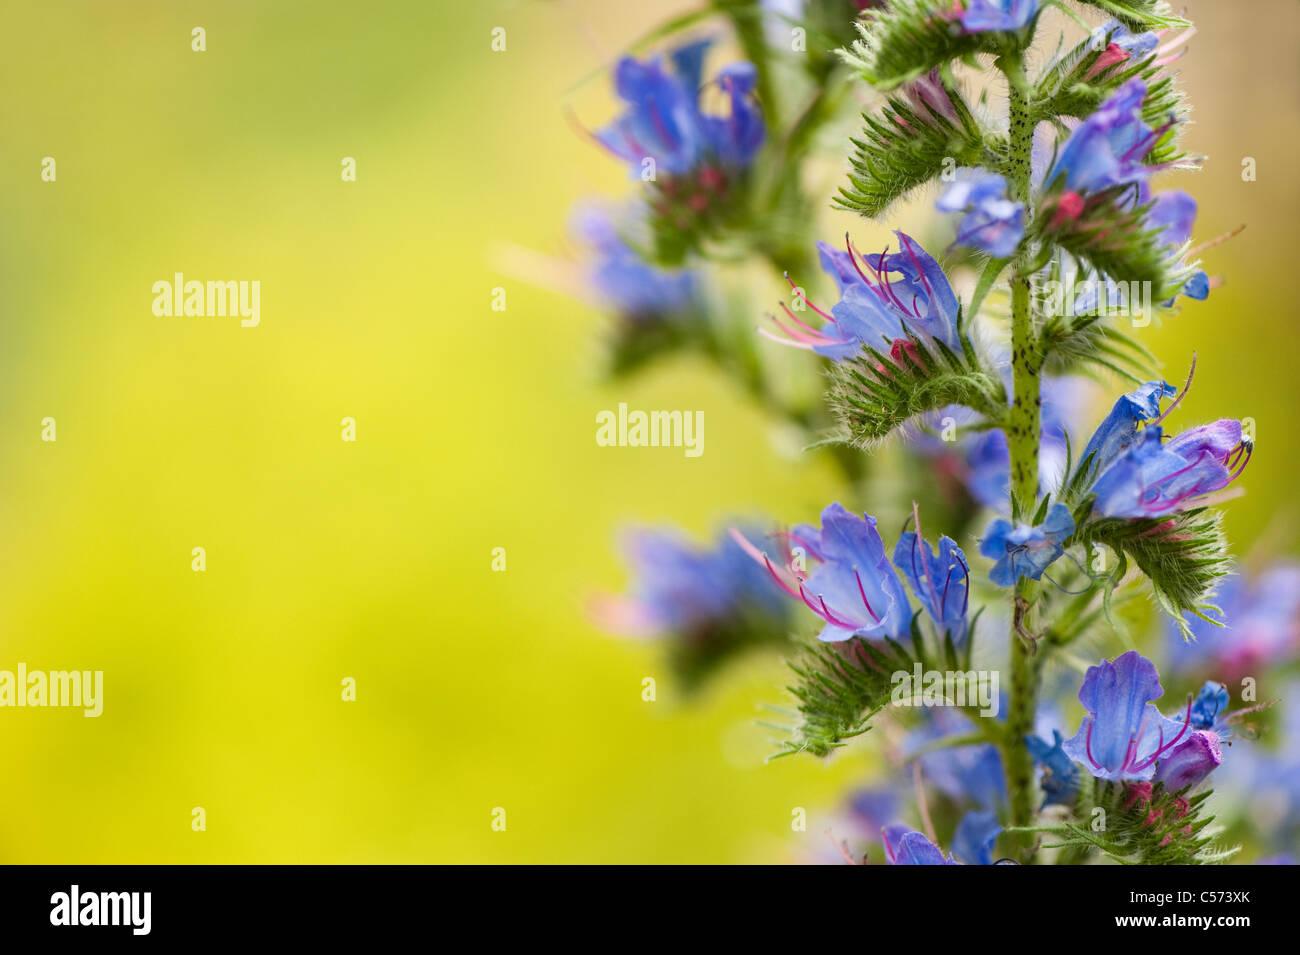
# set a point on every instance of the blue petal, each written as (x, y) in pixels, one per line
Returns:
(976, 835)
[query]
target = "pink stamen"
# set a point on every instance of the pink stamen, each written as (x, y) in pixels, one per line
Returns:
(1176, 42)
(853, 257)
(865, 601)
(1182, 394)
(794, 318)
(806, 337)
(743, 542)
(1164, 747)
(911, 253)
(785, 341)
(804, 298)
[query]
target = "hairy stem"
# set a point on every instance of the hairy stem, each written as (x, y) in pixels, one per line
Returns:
(1023, 430)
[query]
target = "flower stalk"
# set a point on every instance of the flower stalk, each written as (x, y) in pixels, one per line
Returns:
(1023, 430)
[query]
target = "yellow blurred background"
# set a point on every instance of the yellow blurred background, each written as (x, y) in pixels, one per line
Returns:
(372, 560)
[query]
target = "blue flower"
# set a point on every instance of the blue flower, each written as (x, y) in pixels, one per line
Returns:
(1134, 44)
(663, 120)
(1120, 427)
(1152, 478)
(877, 310)
(1267, 778)
(1121, 47)
(683, 589)
(993, 223)
(1108, 147)
(988, 461)
(977, 833)
(1172, 215)
(966, 774)
(988, 469)
(1023, 550)
(636, 290)
(905, 846)
(853, 588)
(735, 139)
(1259, 622)
(1060, 780)
(872, 807)
(1123, 734)
(940, 581)
(1209, 704)
(983, 15)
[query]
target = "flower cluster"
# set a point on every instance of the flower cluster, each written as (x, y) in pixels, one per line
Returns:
(853, 587)
(983, 381)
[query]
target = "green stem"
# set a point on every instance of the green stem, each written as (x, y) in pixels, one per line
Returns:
(1023, 430)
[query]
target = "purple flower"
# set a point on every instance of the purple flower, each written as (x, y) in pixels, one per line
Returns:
(1060, 780)
(905, 846)
(929, 99)
(1022, 550)
(1108, 147)
(683, 589)
(1151, 478)
(873, 806)
(993, 223)
(984, 15)
(636, 290)
(1123, 735)
(977, 833)
(1120, 427)
(1260, 623)
(940, 581)
(878, 311)
(663, 120)
(853, 588)
(1172, 215)
(1190, 762)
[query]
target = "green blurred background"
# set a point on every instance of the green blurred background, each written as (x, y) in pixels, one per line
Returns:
(475, 430)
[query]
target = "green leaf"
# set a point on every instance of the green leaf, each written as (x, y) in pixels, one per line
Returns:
(1064, 90)
(1140, 14)
(1071, 343)
(1142, 826)
(904, 147)
(841, 687)
(910, 37)
(1110, 235)
(1184, 555)
(875, 393)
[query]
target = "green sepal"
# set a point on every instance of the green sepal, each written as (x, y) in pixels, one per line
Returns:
(840, 690)
(873, 394)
